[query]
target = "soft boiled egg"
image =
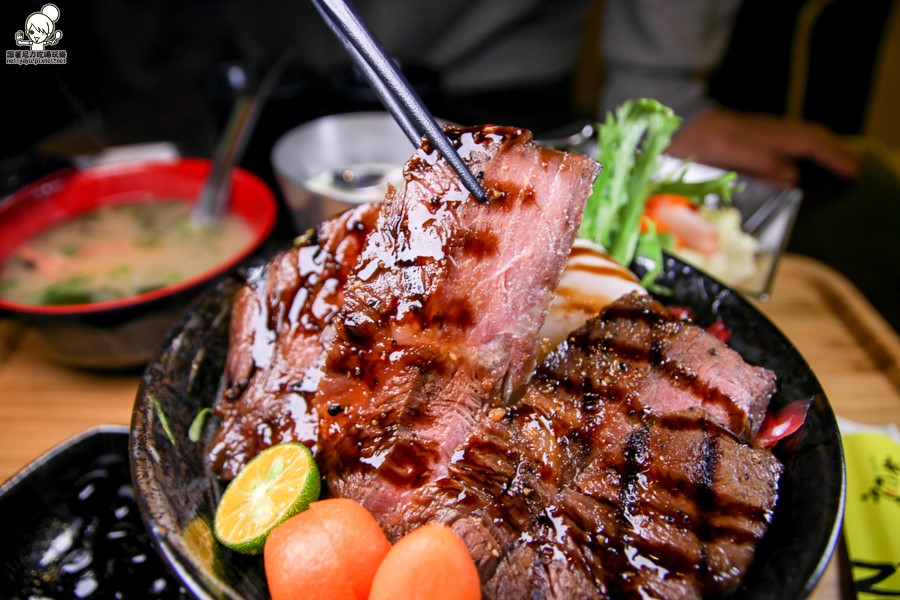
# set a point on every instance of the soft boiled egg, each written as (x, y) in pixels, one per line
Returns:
(591, 281)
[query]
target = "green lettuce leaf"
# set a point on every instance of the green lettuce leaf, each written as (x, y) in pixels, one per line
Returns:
(631, 142)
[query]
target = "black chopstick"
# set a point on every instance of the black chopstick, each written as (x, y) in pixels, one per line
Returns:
(387, 98)
(391, 86)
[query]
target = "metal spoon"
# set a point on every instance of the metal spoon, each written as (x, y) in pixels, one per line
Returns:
(574, 137)
(212, 202)
(351, 179)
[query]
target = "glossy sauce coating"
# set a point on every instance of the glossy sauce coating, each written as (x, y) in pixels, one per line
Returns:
(442, 317)
(278, 320)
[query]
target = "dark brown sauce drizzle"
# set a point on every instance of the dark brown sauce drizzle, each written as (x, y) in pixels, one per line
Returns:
(406, 269)
(289, 302)
(603, 271)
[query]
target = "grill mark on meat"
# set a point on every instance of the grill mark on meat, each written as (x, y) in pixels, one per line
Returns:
(636, 449)
(481, 244)
(645, 339)
(674, 373)
(705, 499)
(619, 547)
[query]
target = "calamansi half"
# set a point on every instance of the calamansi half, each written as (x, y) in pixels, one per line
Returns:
(279, 482)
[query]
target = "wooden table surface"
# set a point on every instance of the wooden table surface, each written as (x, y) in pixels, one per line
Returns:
(853, 351)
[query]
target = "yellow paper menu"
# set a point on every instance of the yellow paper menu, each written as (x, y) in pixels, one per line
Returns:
(872, 518)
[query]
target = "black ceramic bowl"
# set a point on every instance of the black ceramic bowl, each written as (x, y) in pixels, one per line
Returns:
(175, 488)
(71, 528)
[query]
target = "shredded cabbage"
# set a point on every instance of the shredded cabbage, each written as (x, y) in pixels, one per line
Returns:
(735, 262)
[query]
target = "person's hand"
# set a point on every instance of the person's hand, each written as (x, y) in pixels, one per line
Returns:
(763, 146)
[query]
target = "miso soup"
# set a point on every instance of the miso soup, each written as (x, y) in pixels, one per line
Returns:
(117, 251)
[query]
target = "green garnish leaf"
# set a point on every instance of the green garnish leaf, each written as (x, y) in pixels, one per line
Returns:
(650, 250)
(149, 240)
(163, 420)
(631, 141)
(74, 290)
(723, 186)
(197, 424)
(121, 271)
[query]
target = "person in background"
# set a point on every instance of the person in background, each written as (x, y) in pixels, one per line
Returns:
(471, 61)
(802, 93)
(511, 62)
(667, 51)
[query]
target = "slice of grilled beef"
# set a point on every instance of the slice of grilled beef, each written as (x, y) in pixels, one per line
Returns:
(278, 320)
(442, 314)
(668, 367)
(583, 488)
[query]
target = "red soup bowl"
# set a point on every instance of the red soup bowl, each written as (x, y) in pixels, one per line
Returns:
(121, 333)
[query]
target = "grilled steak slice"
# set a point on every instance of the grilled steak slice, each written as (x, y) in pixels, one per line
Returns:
(442, 315)
(671, 368)
(581, 490)
(278, 320)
